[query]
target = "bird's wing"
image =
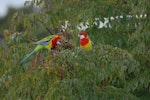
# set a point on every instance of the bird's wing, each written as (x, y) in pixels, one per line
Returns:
(48, 38)
(45, 41)
(92, 43)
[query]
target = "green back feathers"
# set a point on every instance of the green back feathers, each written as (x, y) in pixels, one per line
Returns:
(48, 38)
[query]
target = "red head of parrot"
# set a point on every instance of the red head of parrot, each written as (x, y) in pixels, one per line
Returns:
(83, 34)
(55, 41)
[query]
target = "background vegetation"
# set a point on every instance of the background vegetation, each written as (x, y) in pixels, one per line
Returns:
(117, 68)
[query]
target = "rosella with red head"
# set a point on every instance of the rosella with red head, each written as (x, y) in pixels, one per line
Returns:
(46, 43)
(85, 42)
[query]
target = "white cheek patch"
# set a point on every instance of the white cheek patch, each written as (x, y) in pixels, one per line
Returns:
(82, 36)
(58, 43)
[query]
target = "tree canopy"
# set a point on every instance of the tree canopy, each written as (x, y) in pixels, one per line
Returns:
(118, 67)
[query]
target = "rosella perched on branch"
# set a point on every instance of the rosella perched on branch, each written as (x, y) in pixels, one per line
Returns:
(85, 42)
(46, 43)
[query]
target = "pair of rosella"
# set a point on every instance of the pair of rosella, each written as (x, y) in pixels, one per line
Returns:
(54, 40)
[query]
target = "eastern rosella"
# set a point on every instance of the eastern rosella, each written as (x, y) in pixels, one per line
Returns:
(46, 43)
(85, 42)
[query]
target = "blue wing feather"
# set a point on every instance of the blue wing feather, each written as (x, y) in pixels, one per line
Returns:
(42, 43)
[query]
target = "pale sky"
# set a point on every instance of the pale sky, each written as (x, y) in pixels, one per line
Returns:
(5, 4)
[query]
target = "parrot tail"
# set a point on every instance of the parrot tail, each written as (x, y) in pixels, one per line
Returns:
(27, 57)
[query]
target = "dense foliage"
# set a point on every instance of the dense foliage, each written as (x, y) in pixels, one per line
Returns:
(118, 67)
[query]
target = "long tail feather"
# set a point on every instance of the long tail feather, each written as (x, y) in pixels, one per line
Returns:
(27, 57)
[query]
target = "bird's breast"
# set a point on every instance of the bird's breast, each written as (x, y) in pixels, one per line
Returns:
(84, 41)
(86, 44)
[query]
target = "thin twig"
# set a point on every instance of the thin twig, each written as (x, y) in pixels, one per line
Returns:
(46, 28)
